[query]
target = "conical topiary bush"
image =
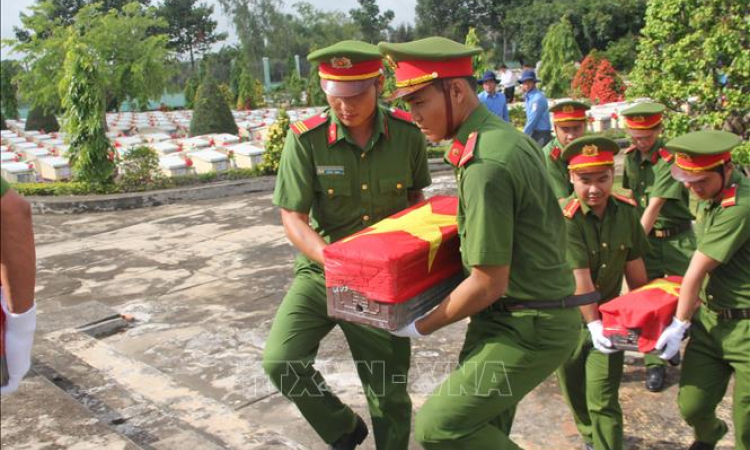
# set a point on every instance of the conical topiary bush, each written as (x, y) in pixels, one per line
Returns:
(39, 119)
(211, 113)
(3, 125)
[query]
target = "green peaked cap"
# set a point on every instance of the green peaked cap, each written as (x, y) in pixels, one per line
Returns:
(356, 51)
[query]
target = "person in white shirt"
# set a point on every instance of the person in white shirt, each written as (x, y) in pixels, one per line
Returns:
(508, 82)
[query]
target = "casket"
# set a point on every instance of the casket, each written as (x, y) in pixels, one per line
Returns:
(18, 172)
(54, 168)
(634, 321)
(394, 271)
(246, 155)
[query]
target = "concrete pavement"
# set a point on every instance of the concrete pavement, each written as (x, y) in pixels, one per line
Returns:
(198, 284)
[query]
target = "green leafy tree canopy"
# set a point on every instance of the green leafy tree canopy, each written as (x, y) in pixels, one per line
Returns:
(372, 23)
(190, 28)
(559, 54)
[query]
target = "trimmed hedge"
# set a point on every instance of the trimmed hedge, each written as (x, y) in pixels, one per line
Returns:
(39, 119)
(211, 113)
(61, 188)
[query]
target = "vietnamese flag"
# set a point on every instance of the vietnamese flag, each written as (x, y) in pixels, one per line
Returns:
(400, 256)
(649, 309)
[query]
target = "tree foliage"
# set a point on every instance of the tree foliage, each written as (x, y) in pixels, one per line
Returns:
(607, 86)
(315, 94)
(3, 125)
(189, 27)
(275, 143)
(479, 61)
(8, 89)
(559, 54)
(212, 113)
(372, 24)
(134, 62)
(693, 55)
(584, 77)
(41, 118)
(91, 154)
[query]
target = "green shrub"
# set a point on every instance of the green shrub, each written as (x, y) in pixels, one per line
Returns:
(39, 119)
(275, 144)
(140, 169)
(228, 95)
(741, 154)
(3, 125)
(622, 53)
(64, 188)
(212, 113)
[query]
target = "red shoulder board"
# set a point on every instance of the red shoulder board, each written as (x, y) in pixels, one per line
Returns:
(555, 153)
(303, 126)
(629, 149)
(401, 114)
(571, 208)
(460, 154)
(333, 133)
(666, 155)
(729, 196)
(625, 199)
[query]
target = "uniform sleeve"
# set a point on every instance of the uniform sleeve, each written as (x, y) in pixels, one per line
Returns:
(576, 253)
(640, 245)
(506, 114)
(728, 233)
(489, 198)
(421, 167)
(295, 189)
(560, 185)
(4, 186)
(533, 115)
(665, 186)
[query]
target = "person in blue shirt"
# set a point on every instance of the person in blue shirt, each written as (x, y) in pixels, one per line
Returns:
(538, 125)
(495, 101)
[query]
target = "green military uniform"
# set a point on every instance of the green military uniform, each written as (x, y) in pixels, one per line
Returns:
(672, 238)
(344, 188)
(719, 345)
(590, 379)
(501, 179)
(557, 169)
(507, 216)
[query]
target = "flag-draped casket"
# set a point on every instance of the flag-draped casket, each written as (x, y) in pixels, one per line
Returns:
(392, 272)
(634, 321)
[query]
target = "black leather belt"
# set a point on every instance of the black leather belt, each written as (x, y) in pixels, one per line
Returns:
(507, 304)
(732, 314)
(664, 233)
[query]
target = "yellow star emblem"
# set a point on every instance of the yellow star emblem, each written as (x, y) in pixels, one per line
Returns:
(667, 286)
(422, 223)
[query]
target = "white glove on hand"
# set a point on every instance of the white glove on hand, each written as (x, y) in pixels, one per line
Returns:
(19, 338)
(671, 338)
(409, 331)
(601, 343)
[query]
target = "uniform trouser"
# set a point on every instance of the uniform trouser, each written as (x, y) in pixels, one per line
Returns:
(669, 256)
(716, 350)
(504, 357)
(590, 381)
(382, 363)
(509, 93)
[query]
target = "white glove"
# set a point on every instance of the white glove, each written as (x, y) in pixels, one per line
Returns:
(19, 338)
(601, 343)
(408, 331)
(671, 338)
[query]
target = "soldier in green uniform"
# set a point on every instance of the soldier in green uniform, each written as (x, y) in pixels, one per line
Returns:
(605, 242)
(720, 329)
(340, 172)
(524, 322)
(664, 205)
(569, 122)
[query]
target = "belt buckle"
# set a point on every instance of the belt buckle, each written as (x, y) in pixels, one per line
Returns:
(661, 233)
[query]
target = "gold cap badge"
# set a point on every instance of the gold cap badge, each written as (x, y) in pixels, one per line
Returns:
(590, 150)
(341, 63)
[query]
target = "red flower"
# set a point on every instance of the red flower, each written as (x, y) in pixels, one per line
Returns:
(615, 116)
(188, 162)
(111, 155)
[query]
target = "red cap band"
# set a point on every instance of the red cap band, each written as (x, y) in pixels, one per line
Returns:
(596, 158)
(643, 122)
(700, 163)
(342, 69)
(569, 115)
(410, 73)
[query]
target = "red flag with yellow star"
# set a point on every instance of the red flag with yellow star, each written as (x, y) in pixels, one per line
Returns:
(642, 313)
(400, 256)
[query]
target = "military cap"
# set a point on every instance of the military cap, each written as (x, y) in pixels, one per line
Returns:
(347, 68)
(643, 116)
(418, 63)
(569, 110)
(590, 153)
(701, 151)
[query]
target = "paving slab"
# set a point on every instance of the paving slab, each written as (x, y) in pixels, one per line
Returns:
(202, 282)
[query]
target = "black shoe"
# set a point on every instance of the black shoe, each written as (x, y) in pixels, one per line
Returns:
(350, 440)
(702, 446)
(655, 377)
